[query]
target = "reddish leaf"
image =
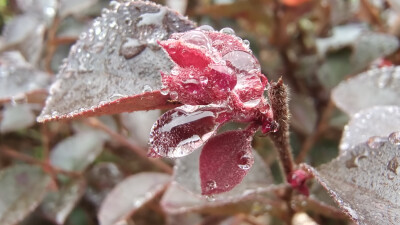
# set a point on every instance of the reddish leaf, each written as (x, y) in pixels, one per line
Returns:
(179, 132)
(224, 161)
(364, 181)
(115, 66)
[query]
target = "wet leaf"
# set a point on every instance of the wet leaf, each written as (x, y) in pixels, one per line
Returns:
(22, 189)
(184, 194)
(128, 196)
(380, 86)
(375, 121)
(77, 152)
(115, 66)
(58, 205)
(364, 181)
(16, 117)
(224, 161)
(179, 132)
(18, 79)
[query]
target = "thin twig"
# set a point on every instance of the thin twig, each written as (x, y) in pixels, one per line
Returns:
(29, 159)
(321, 127)
(93, 122)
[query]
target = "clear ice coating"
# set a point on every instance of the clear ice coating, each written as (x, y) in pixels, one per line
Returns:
(178, 132)
(117, 54)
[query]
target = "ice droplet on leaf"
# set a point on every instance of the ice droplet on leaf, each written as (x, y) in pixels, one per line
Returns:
(394, 138)
(241, 61)
(227, 30)
(375, 142)
(197, 38)
(178, 132)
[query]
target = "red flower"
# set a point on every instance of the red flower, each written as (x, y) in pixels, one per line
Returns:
(218, 80)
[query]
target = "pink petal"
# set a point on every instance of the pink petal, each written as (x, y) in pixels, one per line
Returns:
(224, 161)
(179, 132)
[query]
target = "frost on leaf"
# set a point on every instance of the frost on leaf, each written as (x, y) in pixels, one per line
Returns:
(179, 131)
(22, 189)
(57, 205)
(18, 79)
(185, 194)
(16, 117)
(375, 87)
(364, 181)
(115, 65)
(375, 121)
(129, 195)
(77, 152)
(224, 161)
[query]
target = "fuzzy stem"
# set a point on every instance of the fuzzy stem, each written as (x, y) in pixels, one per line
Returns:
(278, 97)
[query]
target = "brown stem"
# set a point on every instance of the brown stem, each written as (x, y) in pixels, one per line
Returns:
(29, 159)
(318, 207)
(310, 140)
(278, 97)
(93, 122)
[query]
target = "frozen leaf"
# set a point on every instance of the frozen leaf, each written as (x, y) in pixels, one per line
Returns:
(74, 7)
(58, 205)
(179, 132)
(375, 121)
(224, 161)
(130, 195)
(380, 86)
(184, 194)
(18, 78)
(77, 152)
(115, 65)
(304, 116)
(364, 181)
(16, 117)
(139, 124)
(22, 189)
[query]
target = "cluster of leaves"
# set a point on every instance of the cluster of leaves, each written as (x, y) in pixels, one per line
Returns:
(138, 56)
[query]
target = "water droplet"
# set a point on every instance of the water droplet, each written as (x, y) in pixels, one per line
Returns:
(173, 95)
(385, 79)
(244, 160)
(241, 61)
(210, 198)
(174, 71)
(206, 28)
(246, 43)
(393, 165)
(252, 102)
(394, 138)
(147, 88)
(131, 47)
(114, 5)
(19, 99)
(354, 161)
(375, 142)
(211, 185)
(227, 30)
(164, 90)
(97, 47)
(116, 96)
(113, 23)
(203, 80)
(197, 38)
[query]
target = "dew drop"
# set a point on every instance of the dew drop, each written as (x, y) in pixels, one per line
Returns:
(203, 80)
(131, 47)
(211, 185)
(241, 60)
(164, 90)
(246, 43)
(174, 71)
(252, 102)
(173, 95)
(205, 28)
(354, 161)
(210, 198)
(147, 88)
(393, 165)
(244, 160)
(197, 38)
(385, 79)
(116, 96)
(394, 138)
(227, 30)
(375, 142)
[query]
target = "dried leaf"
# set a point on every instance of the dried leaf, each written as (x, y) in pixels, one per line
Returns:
(224, 161)
(115, 66)
(58, 205)
(22, 189)
(77, 152)
(364, 181)
(380, 86)
(16, 117)
(128, 196)
(375, 121)
(184, 193)
(18, 78)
